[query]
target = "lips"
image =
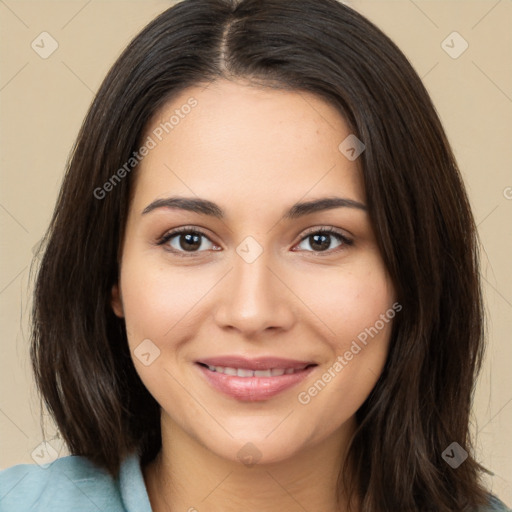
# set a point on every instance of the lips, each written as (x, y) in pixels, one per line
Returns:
(253, 379)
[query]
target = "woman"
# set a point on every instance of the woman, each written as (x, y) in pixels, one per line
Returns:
(260, 285)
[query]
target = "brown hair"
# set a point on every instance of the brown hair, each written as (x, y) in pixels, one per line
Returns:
(418, 207)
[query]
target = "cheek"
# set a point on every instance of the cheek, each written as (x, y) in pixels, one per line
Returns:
(157, 300)
(356, 309)
(347, 302)
(159, 306)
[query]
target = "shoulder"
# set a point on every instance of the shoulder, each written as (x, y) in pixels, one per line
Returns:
(495, 505)
(70, 482)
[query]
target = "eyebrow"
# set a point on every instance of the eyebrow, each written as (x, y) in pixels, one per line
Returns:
(206, 207)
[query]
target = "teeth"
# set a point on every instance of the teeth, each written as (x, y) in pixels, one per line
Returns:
(263, 373)
(242, 372)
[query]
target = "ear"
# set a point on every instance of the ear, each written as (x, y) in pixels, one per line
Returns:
(116, 301)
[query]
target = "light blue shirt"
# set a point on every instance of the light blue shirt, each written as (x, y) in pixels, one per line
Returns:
(74, 484)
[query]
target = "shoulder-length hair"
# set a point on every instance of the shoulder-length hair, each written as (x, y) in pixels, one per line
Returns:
(417, 204)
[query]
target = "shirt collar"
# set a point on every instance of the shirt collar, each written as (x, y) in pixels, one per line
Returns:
(132, 487)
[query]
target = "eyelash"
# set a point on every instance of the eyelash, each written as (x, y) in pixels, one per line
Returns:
(314, 231)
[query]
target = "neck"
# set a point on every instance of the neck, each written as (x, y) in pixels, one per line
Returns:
(186, 476)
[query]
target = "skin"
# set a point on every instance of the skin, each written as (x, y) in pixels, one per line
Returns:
(255, 152)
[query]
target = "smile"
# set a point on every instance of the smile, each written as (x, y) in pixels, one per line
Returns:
(253, 380)
(243, 372)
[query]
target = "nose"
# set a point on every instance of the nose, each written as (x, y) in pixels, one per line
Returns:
(254, 299)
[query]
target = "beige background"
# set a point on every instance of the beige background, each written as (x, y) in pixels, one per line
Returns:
(43, 102)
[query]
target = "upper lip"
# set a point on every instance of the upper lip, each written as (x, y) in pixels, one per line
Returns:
(258, 363)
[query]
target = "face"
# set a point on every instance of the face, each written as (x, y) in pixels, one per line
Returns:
(260, 321)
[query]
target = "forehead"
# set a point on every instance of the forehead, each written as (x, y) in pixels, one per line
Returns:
(240, 144)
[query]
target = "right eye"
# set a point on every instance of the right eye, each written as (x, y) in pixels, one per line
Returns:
(185, 240)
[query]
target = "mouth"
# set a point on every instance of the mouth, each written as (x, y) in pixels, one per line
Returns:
(253, 379)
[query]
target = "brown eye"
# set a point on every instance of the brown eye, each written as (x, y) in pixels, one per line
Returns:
(185, 240)
(189, 241)
(322, 240)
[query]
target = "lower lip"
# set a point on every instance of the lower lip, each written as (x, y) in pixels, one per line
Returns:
(253, 389)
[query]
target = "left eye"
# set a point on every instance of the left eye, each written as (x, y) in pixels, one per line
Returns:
(320, 241)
